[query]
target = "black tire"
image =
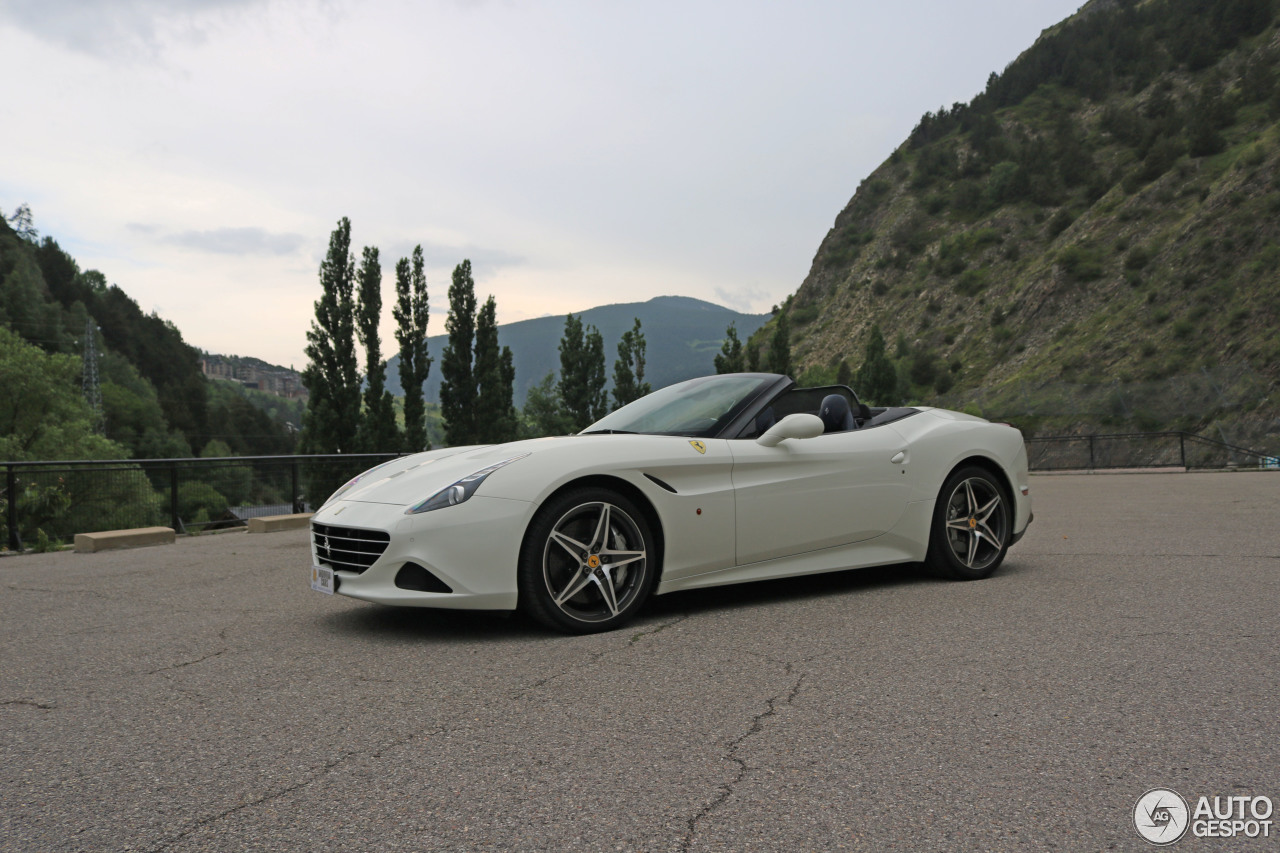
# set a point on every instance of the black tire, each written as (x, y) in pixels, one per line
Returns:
(972, 525)
(580, 576)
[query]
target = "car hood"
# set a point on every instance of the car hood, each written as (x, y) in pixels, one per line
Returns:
(412, 479)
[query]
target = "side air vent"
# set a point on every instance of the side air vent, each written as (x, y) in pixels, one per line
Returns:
(662, 484)
(415, 577)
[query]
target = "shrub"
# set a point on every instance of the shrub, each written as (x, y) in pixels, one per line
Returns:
(1080, 264)
(1060, 222)
(44, 544)
(924, 367)
(196, 497)
(1138, 258)
(972, 282)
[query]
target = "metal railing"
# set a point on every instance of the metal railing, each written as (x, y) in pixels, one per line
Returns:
(61, 499)
(1140, 450)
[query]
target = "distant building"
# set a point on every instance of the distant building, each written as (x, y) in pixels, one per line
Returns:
(273, 380)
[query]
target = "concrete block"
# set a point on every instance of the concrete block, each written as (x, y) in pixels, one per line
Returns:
(275, 523)
(110, 540)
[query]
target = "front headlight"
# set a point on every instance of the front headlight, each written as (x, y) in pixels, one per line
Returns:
(460, 491)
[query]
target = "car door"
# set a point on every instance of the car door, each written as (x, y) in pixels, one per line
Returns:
(807, 494)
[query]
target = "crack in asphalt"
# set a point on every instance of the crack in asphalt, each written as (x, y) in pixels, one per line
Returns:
(328, 767)
(31, 703)
(1162, 556)
(542, 682)
(596, 657)
(91, 592)
(635, 638)
(727, 789)
(222, 636)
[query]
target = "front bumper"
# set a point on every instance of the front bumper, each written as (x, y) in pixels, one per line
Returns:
(473, 547)
(1023, 531)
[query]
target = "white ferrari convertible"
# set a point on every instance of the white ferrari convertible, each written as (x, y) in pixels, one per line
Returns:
(718, 480)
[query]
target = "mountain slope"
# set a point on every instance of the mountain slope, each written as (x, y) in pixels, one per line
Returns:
(682, 336)
(1105, 215)
(156, 403)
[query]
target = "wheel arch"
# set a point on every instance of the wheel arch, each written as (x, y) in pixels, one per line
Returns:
(630, 491)
(992, 467)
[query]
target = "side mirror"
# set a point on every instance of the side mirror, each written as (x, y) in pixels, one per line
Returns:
(792, 426)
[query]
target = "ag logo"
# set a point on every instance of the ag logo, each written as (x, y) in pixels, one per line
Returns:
(1161, 816)
(698, 446)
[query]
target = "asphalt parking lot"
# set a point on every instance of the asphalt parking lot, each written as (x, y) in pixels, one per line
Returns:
(200, 697)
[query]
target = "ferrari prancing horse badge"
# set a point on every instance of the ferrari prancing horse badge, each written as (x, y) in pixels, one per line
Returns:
(699, 446)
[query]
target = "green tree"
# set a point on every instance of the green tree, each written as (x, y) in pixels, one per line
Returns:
(628, 370)
(42, 413)
(780, 346)
(378, 430)
(411, 314)
(753, 356)
(232, 481)
(542, 413)
(457, 381)
(730, 359)
(877, 379)
(495, 414)
(582, 377)
(133, 414)
(332, 377)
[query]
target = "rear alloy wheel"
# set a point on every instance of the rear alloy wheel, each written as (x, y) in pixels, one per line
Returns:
(586, 564)
(971, 525)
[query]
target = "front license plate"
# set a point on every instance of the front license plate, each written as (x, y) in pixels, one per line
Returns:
(322, 579)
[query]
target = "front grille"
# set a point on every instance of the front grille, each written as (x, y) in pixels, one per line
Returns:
(348, 549)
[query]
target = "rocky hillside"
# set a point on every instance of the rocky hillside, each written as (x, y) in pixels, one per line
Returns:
(1092, 242)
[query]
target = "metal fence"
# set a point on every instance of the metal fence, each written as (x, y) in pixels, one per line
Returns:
(53, 501)
(56, 500)
(1140, 450)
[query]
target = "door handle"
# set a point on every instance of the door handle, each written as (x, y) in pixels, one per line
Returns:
(898, 457)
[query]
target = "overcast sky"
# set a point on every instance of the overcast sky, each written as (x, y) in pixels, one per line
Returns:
(199, 152)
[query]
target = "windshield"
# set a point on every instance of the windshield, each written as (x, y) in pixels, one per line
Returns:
(698, 408)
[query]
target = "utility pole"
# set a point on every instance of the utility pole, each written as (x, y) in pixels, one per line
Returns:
(90, 385)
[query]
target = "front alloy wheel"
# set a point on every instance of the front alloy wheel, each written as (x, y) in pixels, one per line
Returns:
(971, 525)
(586, 564)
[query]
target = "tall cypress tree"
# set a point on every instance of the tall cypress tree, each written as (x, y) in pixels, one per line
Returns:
(411, 314)
(332, 377)
(569, 388)
(494, 372)
(877, 379)
(628, 370)
(780, 346)
(507, 392)
(582, 377)
(457, 381)
(378, 430)
(730, 359)
(593, 372)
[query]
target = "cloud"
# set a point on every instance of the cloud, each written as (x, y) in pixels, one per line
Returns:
(743, 299)
(226, 241)
(114, 28)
